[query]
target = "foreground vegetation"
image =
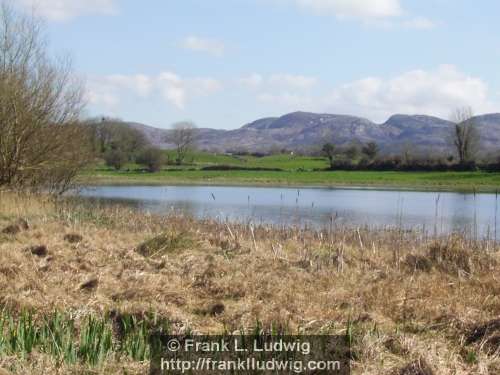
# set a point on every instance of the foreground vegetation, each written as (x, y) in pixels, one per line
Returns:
(81, 286)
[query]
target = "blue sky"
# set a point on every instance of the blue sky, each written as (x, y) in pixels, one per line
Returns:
(223, 63)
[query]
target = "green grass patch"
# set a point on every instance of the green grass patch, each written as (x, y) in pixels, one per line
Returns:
(90, 341)
(452, 181)
(198, 160)
(287, 170)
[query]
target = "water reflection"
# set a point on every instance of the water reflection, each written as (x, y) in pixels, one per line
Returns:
(439, 212)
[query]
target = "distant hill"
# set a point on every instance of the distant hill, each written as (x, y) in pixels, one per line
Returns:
(302, 130)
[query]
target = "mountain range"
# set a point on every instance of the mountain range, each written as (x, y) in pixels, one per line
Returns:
(308, 131)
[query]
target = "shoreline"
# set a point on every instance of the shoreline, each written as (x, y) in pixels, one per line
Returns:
(93, 184)
(162, 180)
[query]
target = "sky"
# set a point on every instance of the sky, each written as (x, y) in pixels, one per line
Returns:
(225, 63)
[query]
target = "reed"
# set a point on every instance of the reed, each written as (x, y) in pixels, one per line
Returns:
(400, 294)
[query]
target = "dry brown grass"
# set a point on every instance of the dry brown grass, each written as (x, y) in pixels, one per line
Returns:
(407, 297)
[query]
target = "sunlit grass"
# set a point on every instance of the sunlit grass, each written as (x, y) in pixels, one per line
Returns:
(454, 181)
(286, 169)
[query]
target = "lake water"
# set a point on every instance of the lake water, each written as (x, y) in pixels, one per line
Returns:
(430, 211)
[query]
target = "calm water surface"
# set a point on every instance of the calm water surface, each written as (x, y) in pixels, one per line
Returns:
(430, 211)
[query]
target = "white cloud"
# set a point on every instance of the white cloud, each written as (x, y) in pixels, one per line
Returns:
(204, 86)
(173, 89)
(177, 90)
(101, 96)
(433, 92)
(290, 80)
(109, 91)
(62, 10)
(420, 23)
(288, 100)
(253, 80)
(278, 81)
(436, 92)
(380, 13)
(198, 44)
(139, 83)
(366, 9)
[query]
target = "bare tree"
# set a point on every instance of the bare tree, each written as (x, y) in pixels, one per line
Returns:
(184, 139)
(42, 144)
(111, 134)
(329, 150)
(408, 153)
(370, 150)
(352, 151)
(466, 137)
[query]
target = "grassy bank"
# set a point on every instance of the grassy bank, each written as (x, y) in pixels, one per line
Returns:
(451, 181)
(286, 170)
(408, 300)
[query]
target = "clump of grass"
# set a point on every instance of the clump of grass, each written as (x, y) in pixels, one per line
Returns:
(91, 342)
(454, 257)
(417, 367)
(133, 332)
(418, 263)
(136, 339)
(73, 237)
(95, 341)
(165, 243)
(56, 337)
(20, 335)
(16, 227)
(487, 334)
(76, 211)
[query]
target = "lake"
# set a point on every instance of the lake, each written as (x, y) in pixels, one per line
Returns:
(443, 212)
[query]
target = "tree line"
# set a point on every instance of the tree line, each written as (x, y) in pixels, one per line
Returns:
(465, 142)
(118, 144)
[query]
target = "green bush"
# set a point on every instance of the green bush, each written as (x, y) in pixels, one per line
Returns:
(115, 158)
(151, 157)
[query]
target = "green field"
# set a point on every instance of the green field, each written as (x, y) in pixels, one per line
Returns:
(296, 171)
(282, 161)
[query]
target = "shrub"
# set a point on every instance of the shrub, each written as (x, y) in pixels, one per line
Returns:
(115, 159)
(370, 150)
(153, 158)
(164, 243)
